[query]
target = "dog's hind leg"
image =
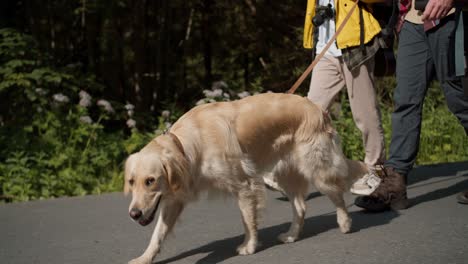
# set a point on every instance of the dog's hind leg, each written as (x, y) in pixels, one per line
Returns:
(343, 219)
(247, 200)
(299, 208)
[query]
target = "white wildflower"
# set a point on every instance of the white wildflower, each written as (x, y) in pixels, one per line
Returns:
(40, 91)
(166, 114)
(243, 94)
(85, 99)
(131, 123)
(168, 125)
(208, 93)
(213, 93)
(86, 119)
(226, 95)
(60, 98)
(106, 105)
(219, 85)
(200, 102)
(129, 107)
(217, 93)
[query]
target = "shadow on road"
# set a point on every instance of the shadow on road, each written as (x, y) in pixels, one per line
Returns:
(450, 170)
(426, 172)
(309, 197)
(441, 193)
(221, 250)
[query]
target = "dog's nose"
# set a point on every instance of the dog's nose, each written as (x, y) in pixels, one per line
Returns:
(135, 213)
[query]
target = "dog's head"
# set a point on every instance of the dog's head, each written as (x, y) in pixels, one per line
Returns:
(155, 173)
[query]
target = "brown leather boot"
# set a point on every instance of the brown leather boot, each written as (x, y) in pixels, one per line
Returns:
(391, 193)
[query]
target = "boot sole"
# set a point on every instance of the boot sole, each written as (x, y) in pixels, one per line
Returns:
(400, 204)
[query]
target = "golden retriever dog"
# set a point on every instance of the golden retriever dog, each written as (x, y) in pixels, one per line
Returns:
(236, 147)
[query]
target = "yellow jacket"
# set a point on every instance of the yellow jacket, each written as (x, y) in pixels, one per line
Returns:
(350, 35)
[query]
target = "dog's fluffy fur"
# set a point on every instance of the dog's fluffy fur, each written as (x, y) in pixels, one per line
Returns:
(279, 139)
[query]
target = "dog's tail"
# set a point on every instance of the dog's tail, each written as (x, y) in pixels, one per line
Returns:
(315, 121)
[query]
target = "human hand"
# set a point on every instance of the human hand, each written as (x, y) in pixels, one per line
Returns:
(437, 9)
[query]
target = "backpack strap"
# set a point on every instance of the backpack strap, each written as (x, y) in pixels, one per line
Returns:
(387, 31)
(361, 30)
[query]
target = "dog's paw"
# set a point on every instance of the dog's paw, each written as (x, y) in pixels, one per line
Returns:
(287, 237)
(246, 249)
(140, 260)
(345, 226)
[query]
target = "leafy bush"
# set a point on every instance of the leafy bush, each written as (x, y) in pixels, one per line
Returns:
(443, 139)
(55, 138)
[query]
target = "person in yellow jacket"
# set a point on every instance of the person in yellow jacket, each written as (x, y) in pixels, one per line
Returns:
(349, 63)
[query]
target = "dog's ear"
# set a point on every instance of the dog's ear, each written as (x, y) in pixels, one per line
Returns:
(174, 162)
(176, 168)
(173, 177)
(129, 166)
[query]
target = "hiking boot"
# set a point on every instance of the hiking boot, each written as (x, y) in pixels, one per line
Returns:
(391, 193)
(463, 197)
(371, 204)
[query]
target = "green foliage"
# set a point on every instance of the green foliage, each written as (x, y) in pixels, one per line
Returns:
(49, 144)
(443, 139)
(351, 139)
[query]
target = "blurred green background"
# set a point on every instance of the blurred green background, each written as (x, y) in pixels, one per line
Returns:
(84, 83)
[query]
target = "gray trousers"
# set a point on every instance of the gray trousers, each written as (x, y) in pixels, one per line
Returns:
(421, 55)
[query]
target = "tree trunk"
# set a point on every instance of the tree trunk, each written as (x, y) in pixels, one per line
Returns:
(206, 38)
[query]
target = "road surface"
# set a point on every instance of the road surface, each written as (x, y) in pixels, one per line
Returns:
(97, 229)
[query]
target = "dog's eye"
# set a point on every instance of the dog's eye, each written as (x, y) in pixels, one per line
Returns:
(131, 181)
(149, 181)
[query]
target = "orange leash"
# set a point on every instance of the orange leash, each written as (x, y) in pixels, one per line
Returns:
(319, 57)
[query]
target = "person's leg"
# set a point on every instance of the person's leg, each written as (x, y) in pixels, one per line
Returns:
(366, 114)
(413, 73)
(440, 42)
(457, 99)
(327, 80)
(366, 111)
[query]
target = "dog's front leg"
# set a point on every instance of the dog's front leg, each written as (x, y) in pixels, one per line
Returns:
(167, 218)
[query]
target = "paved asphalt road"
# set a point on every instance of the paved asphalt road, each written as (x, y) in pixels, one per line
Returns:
(97, 229)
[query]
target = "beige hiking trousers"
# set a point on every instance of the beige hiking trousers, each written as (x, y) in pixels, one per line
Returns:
(330, 75)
